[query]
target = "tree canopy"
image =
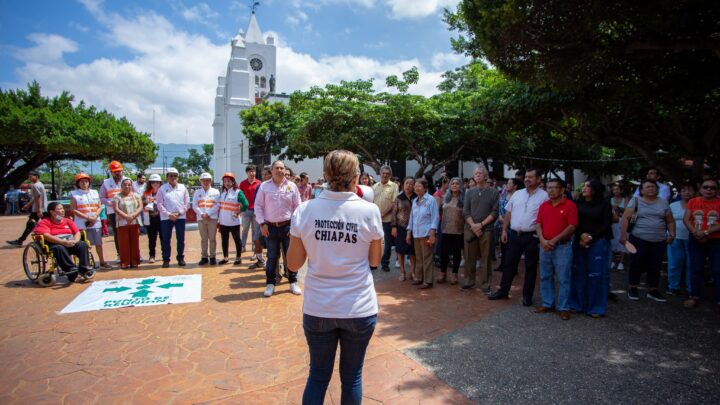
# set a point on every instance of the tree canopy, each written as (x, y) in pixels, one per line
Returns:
(195, 163)
(641, 75)
(35, 130)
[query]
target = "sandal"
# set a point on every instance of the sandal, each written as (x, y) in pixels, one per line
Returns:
(106, 265)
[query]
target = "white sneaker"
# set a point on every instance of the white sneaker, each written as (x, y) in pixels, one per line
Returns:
(151, 260)
(620, 266)
(294, 289)
(269, 290)
(397, 264)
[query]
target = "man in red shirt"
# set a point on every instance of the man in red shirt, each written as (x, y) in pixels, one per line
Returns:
(556, 222)
(249, 187)
(63, 237)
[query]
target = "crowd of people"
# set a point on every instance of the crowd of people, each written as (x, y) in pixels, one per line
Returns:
(346, 225)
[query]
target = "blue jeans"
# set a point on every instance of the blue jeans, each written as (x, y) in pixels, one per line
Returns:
(557, 262)
(678, 260)
(248, 220)
(698, 253)
(277, 239)
(389, 243)
(166, 228)
(589, 285)
(323, 335)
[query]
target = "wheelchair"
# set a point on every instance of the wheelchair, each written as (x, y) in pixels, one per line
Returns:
(41, 266)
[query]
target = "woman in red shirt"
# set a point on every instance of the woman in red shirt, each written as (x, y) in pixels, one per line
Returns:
(701, 219)
(63, 238)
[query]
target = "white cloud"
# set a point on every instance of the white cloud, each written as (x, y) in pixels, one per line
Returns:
(416, 9)
(448, 60)
(78, 26)
(175, 73)
(48, 48)
(201, 13)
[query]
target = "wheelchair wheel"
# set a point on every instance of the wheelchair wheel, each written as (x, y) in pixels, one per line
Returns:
(47, 280)
(34, 261)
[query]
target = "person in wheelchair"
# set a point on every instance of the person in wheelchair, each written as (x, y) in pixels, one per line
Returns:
(64, 240)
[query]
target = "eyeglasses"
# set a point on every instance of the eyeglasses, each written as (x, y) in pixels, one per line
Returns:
(709, 187)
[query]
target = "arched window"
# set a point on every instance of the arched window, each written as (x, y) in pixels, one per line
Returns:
(263, 82)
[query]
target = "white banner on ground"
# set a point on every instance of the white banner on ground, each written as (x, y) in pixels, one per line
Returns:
(137, 292)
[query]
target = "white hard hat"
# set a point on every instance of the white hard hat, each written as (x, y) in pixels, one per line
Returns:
(155, 177)
(205, 176)
(172, 170)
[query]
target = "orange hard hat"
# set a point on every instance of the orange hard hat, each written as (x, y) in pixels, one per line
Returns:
(80, 176)
(229, 174)
(115, 166)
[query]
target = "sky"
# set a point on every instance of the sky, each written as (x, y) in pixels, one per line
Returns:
(135, 57)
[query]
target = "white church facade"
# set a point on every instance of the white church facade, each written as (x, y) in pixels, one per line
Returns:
(250, 77)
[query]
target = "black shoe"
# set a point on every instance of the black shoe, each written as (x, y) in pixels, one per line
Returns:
(467, 287)
(213, 262)
(527, 302)
(257, 265)
(72, 274)
(181, 262)
(223, 261)
(486, 291)
(237, 261)
(386, 269)
(372, 268)
(673, 291)
(655, 295)
(203, 261)
(498, 295)
(15, 242)
(612, 296)
(166, 265)
(633, 293)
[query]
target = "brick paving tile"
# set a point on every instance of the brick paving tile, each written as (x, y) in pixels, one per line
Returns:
(233, 347)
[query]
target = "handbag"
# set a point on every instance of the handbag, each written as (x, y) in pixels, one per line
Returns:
(634, 217)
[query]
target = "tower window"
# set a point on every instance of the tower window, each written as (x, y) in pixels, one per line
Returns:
(263, 82)
(257, 80)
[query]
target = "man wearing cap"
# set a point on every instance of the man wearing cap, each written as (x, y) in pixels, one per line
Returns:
(249, 187)
(205, 204)
(275, 202)
(110, 187)
(172, 201)
(36, 205)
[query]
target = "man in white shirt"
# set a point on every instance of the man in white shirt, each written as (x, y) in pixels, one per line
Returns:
(519, 232)
(663, 189)
(172, 201)
(110, 187)
(205, 204)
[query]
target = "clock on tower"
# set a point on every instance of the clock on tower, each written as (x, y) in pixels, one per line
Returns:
(256, 64)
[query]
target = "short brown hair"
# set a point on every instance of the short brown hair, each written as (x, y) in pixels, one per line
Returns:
(340, 168)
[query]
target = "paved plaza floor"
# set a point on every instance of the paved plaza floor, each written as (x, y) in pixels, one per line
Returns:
(437, 346)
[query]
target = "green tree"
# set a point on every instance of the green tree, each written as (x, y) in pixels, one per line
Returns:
(196, 162)
(35, 130)
(642, 75)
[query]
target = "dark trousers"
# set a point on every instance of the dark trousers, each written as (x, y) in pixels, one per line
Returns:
(112, 221)
(225, 232)
(63, 255)
(166, 228)
(518, 244)
(279, 238)
(323, 337)
(29, 226)
(451, 245)
(389, 243)
(153, 231)
(648, 259)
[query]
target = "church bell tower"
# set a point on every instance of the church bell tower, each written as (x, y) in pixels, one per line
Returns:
(250, 76)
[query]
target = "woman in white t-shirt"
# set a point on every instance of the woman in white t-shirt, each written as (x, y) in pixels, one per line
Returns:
(86, 207)
(340, 235)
